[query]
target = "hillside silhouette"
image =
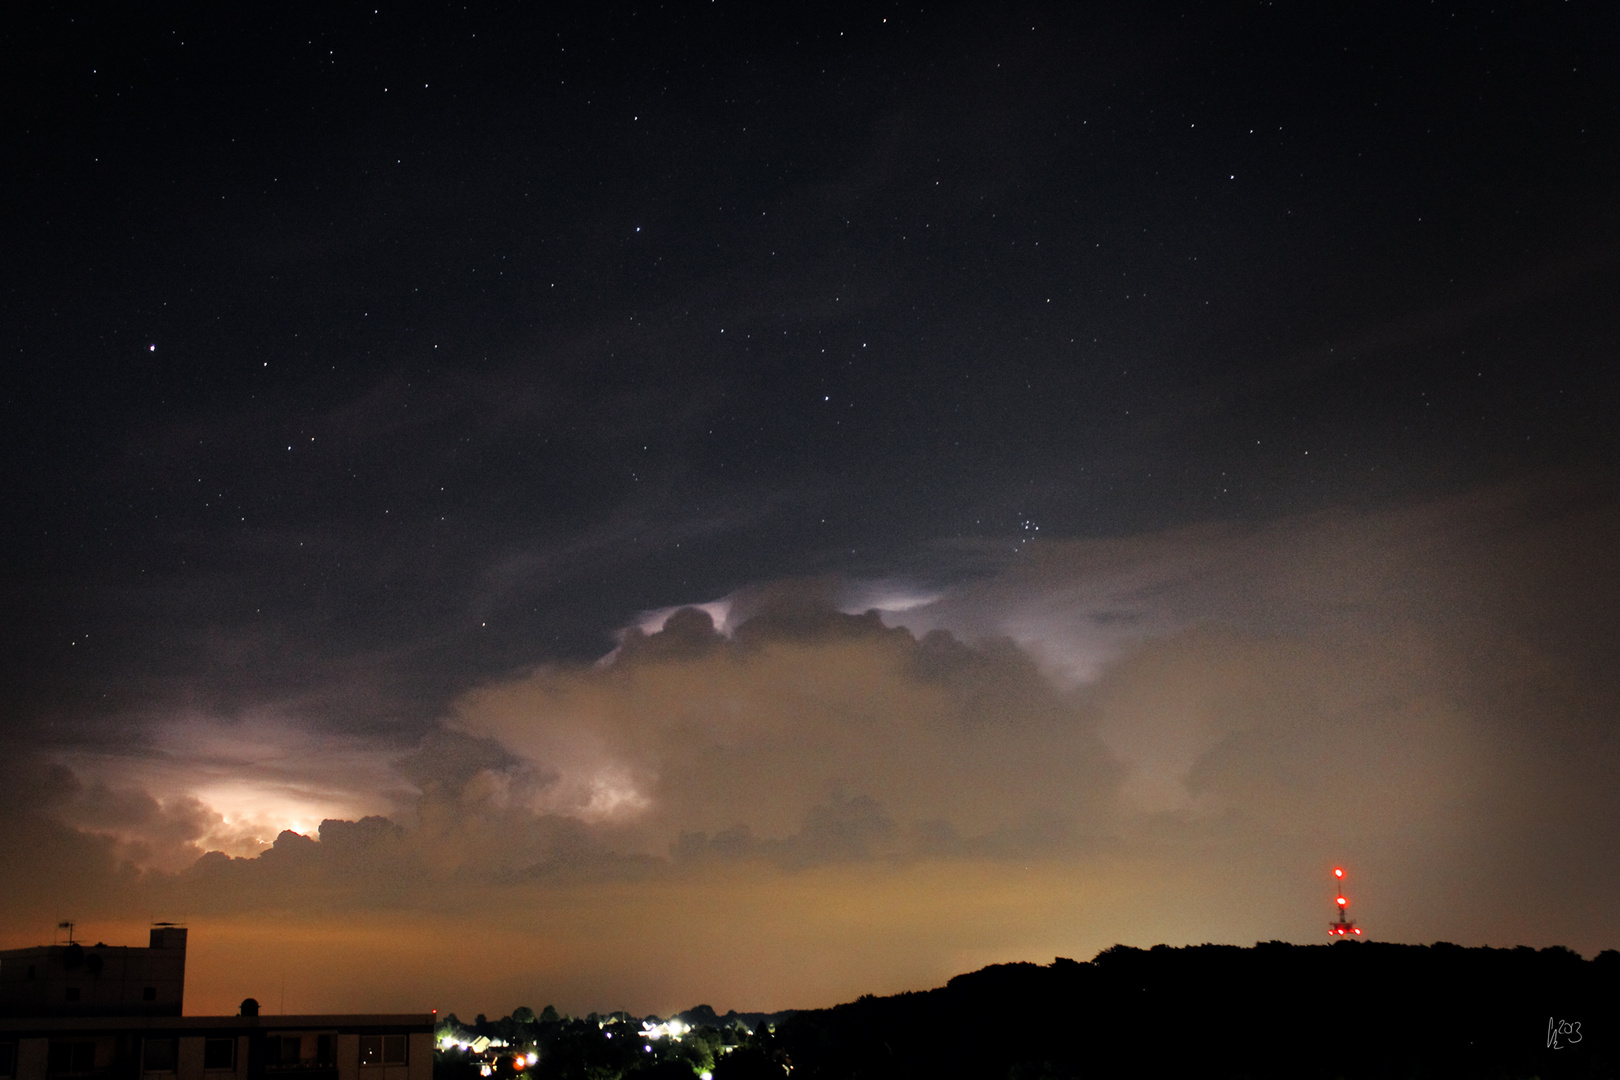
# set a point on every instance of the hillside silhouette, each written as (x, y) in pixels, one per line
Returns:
(1350, 1009)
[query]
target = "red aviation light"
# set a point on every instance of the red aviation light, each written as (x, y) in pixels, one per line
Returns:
(1337, 872)
(1341, 901)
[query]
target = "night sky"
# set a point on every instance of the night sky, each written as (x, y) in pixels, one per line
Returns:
(1120, 461)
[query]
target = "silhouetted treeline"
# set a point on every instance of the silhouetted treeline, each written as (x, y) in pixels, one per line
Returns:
(1350, 1009)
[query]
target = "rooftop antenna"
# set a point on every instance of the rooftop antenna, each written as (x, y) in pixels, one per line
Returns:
(1344, 927)
(68, 926)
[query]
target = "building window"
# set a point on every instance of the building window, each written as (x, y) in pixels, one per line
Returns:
(283, 1051)
(219, 1053)
(8, 1059)
(159, 1055)
(71, 1057)
(326, 1050)
(73, 993)
(149, 994)
(382, 1049)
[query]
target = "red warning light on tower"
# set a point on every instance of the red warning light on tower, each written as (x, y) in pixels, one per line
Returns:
(1342, 927)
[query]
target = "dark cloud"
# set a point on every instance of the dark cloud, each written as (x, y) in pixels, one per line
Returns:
(448, 760)
(686, 634)
(29, 782)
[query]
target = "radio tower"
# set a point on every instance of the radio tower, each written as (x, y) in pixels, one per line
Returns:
(1344, 927)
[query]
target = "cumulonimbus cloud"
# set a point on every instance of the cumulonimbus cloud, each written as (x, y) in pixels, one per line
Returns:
(1425, 690)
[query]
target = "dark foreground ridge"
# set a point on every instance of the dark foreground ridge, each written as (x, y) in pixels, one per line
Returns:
(1350, 1009)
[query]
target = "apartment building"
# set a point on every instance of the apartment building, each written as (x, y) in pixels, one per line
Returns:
(100, 1012)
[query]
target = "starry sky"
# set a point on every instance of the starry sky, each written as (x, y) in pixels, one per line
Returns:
(631, 505)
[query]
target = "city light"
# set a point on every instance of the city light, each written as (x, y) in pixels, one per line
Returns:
(670, 1029)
